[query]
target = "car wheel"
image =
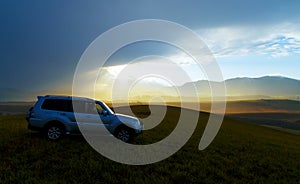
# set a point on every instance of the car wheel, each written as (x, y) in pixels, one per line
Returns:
(54, 132)
(124, 134)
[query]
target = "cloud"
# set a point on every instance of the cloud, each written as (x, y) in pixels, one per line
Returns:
(274, 40)
(278, 40)
(169, 67)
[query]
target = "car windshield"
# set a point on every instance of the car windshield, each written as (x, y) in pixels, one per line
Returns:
(103, 106)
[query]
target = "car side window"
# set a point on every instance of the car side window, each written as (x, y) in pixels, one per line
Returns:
(52, 104)
(85, 107)
(79, 106)
(91, 108)
(49, 104)
(67, 106)
(58, 105)
(99, 108)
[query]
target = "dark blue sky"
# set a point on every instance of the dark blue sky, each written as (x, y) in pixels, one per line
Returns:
(42, 41)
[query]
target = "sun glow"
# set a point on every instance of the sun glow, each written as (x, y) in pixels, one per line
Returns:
(115, 70)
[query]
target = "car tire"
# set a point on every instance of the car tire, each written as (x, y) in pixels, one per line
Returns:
(124, 134)
(54, 132)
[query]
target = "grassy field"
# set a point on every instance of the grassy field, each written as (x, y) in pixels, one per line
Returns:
(240, 153)
(297, 132)
(8, 108)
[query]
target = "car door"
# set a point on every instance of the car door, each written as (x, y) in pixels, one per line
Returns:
(89, 120)
(66, 110)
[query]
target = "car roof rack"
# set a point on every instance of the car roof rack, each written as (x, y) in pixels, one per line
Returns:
(65, 96)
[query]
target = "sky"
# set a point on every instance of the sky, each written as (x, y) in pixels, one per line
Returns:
(41, 42)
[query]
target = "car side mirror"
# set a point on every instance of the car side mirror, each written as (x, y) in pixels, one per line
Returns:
(104, 112)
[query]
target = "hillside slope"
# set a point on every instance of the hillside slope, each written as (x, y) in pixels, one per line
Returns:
(241, 152)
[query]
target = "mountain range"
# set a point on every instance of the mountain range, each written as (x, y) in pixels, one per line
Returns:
(267, 87)
(253, 88)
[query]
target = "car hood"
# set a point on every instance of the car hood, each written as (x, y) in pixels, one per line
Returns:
(128, 120)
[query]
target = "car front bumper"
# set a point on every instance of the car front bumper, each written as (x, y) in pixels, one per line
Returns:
(139, 130)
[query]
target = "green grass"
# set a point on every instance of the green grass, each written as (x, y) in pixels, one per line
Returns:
(241, 153)
(296, 132)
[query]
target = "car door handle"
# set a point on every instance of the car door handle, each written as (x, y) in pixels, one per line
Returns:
(63, 114)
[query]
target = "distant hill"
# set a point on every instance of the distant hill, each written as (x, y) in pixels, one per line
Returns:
(270, 86)
(252, 88)
(17, 95)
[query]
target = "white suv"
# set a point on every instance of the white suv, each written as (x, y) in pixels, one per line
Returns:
(54, 115)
